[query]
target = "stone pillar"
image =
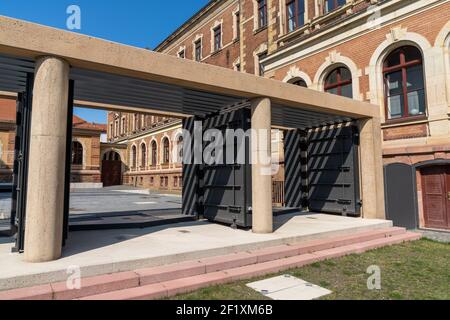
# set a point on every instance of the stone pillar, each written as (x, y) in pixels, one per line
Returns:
(371, 169)
(262, 166)
(46, 173)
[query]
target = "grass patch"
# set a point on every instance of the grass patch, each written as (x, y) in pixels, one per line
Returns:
(411, 271)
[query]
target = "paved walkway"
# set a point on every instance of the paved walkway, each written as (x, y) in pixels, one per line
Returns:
(440, 236)
(102, 252)
(109, 207)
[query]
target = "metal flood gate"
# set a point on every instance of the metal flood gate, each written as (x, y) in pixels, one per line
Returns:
(220, 192)
(322, 172)
(333, 172)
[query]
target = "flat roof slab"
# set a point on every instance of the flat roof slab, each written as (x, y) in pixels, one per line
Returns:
(103, 252)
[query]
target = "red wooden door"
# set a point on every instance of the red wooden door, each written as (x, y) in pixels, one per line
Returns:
(436, 196)
(111, 173)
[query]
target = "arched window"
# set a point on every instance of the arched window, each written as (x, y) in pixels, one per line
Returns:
(404, 83)
(166, 151)
(339, 82)
(154, 153)
(180, 149)
(133, 157)
(299, 82)
(143, 155)
(77, 153)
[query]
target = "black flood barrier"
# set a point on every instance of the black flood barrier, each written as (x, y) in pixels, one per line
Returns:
(220, 192)
(321, 167)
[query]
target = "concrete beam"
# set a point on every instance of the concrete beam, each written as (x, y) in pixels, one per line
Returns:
(20, 38)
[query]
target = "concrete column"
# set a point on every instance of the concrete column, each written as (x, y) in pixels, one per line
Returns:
(46, 174)
(261, 168)
(371, 169)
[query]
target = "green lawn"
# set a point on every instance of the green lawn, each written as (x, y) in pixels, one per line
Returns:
(415, 270)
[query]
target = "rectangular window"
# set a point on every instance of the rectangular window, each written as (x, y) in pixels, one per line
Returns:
(261, 67)
(198, 50)
(238, 25)
(262, 13)
(181, 54)
(331, 5)
(217, 38)
(295, 10)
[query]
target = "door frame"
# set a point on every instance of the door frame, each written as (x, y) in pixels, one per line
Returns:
(420, 210)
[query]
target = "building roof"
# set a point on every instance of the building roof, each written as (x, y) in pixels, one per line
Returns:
(8, 115)
(79, 123)
(192, 20)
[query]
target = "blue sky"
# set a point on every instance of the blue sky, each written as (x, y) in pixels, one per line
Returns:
(140, 23)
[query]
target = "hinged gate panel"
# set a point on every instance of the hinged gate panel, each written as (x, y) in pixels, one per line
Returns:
(333, 173)
(226, 188)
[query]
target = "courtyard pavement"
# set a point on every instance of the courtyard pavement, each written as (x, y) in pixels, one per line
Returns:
(112, 205)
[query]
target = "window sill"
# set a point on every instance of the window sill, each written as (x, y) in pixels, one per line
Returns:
(331, 15)
(292, 34)
(405, 121)
(216, 52)
(260, 29)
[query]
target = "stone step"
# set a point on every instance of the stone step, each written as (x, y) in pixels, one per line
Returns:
(145, 277)
(189, 284)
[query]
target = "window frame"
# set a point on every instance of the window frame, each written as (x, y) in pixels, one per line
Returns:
(166, 151)
(198, 50)
(296, 14)
(403, 66)
(336, 6)
(261, 7)
(143, 155)
(77, 155)
(133, 157)
(217, 43)
(339, 82)
(154, 153)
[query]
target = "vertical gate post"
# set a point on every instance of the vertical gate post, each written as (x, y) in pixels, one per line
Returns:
(262, 212)
(46, 175)
(371, 172)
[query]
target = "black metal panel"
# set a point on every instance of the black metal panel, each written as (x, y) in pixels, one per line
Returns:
(68, 162)
(23, 126)
(293, 168)
(400, 189)
(333, 179)
(191, 204)
(227, 187)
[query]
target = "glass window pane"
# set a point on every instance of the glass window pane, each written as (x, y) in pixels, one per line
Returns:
(395, 107)
(332, 91)
(394, 83)
(412, 53)
(414, 76)
(291, 25)
(347, 91)
(332, 77)
(393, 59)
(416, 103)
(345, 74)
(329, 5)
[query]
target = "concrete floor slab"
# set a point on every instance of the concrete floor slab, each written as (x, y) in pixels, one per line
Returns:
(103, 252)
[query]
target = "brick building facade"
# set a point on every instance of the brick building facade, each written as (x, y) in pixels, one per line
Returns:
(392, 53)
(85, 146)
